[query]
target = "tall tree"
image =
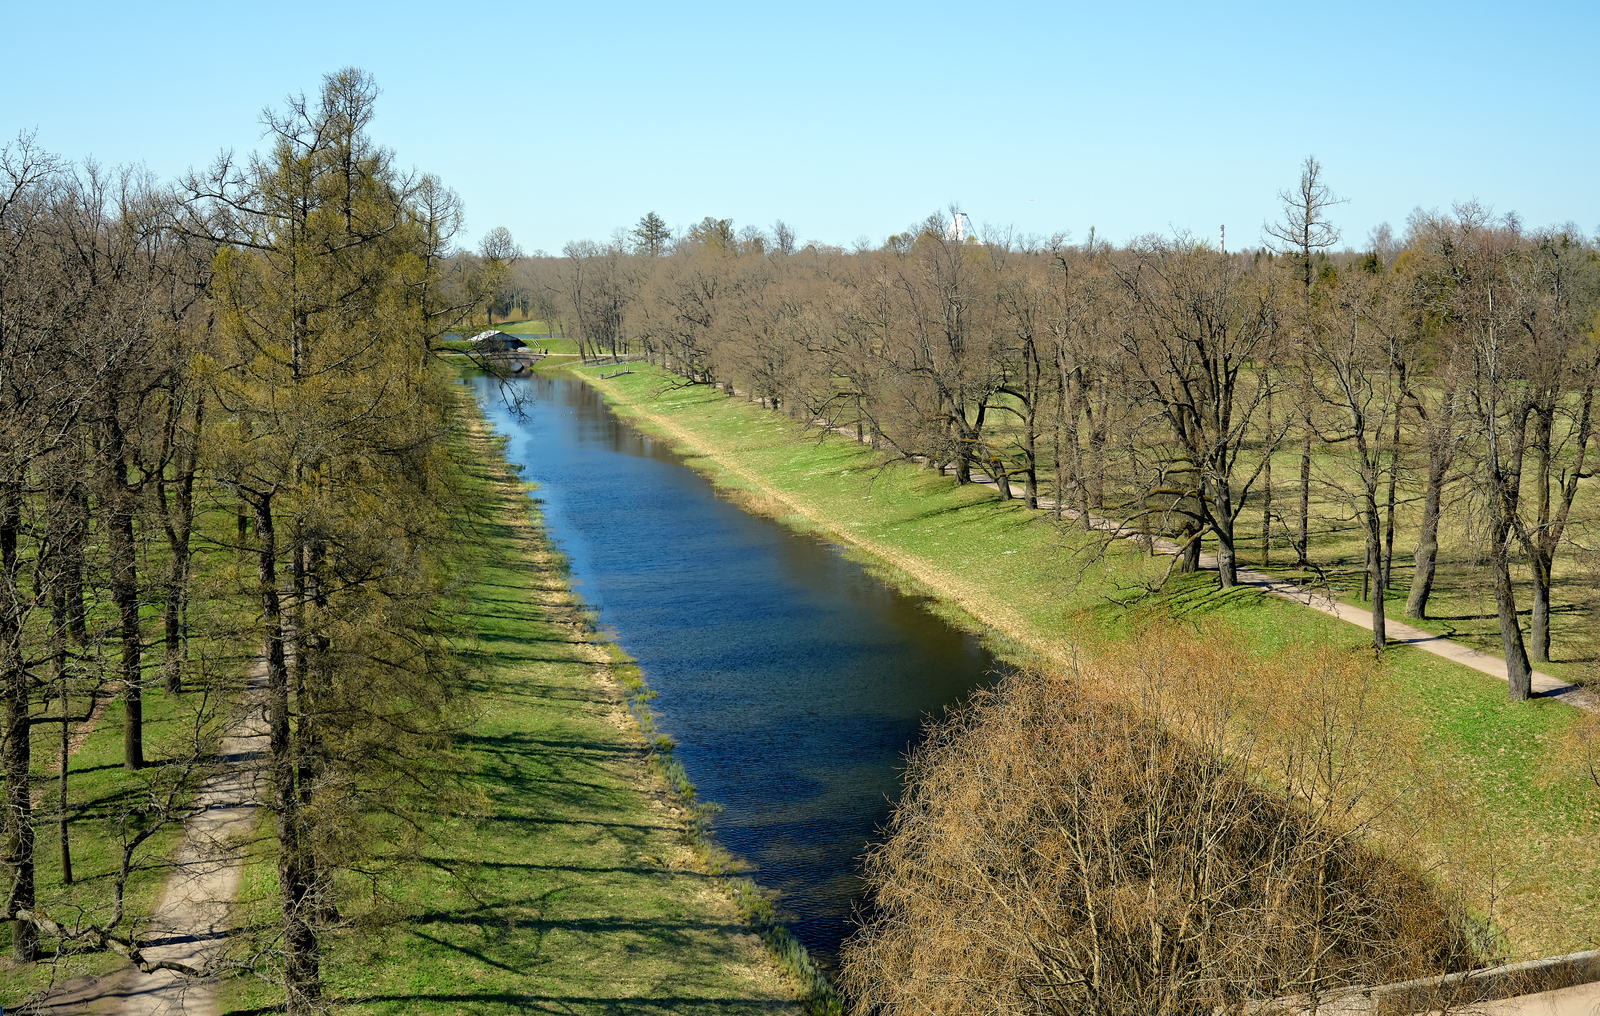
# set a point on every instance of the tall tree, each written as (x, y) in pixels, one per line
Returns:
(499, 253)
(1303, 232)
(651, 235)
(1478, 255)
(332, 424)
(1556, 285)
(1357, 370)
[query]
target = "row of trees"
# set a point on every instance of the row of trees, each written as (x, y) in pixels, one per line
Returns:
(1159, 385)
(252, 343)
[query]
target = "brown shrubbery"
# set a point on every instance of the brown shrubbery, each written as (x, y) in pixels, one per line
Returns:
(1195, 844)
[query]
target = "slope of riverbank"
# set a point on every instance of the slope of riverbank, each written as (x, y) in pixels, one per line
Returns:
(572, 885)
(1515, 823)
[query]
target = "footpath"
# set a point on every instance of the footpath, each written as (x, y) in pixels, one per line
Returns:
(190, 926)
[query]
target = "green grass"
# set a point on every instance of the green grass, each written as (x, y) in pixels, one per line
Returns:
(572, 886)
(1517, 821)
(1462, 603)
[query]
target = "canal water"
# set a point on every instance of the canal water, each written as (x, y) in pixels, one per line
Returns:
(792, 681)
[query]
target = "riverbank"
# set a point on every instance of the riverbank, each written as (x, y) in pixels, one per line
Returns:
(1513, 822)
(572, 884)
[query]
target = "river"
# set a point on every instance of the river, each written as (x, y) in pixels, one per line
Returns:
(792, 681)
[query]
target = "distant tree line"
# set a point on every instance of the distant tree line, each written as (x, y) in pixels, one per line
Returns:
(237, 366)
(1168, 386)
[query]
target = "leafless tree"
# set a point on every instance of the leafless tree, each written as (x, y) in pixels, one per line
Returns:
(1302, 233)
(1061, 848)
(1195, 357)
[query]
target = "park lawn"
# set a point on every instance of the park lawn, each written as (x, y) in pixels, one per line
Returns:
(570, 885)
(1462, 604)
(108, 804)
(1511, 820)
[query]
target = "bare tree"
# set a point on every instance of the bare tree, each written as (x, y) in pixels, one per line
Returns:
(1060, 849)
(1303, 232)
(1358, 369)
(1556, 285)
(783, 238)
(1195, 359)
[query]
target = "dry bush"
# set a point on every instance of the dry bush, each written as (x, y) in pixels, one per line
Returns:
(1196, 845)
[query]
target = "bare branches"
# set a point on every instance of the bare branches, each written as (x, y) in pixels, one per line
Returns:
(1060, 849)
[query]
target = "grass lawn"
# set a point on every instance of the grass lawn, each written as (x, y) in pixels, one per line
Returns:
(1509, 819)
(571, 885)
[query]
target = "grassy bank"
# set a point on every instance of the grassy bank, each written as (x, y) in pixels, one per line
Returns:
(1511, 820)
(573, 884)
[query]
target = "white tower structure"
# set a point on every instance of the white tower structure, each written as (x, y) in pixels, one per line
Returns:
(960, 227)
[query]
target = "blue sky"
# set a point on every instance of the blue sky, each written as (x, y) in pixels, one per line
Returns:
(852, 121)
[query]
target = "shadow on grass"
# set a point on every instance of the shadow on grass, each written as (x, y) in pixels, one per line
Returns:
(564, 1004)
(578, 869)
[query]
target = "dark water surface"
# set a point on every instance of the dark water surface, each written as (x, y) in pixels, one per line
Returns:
(792, 681)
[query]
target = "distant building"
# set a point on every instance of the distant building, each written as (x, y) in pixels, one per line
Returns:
(494, 341)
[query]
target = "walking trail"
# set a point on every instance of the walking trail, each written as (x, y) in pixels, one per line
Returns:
(191, 924)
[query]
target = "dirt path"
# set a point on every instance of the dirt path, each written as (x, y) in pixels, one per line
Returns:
(999, 618)
(191, 923)
(1580, 1000)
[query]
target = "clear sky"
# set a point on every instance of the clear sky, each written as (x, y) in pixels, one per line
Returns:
(853, 120)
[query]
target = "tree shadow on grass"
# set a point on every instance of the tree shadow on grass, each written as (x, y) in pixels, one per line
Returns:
(574, 869)
(632, 1005)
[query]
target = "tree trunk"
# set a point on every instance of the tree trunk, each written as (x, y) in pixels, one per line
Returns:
(1519, 672)
(125, 594)
(178, 519)
(1189, 535)
(1302, 538)
(172, 620)
(1427, 554)
(1542, 567)
(1266, 492)
(1222, 526)
(63, 839)
(1030, 476)
(1097, 454)
(1375, 568)
(15, 748)
(75, 512)
(1389, 506)
(58, 672)
(302, 980)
